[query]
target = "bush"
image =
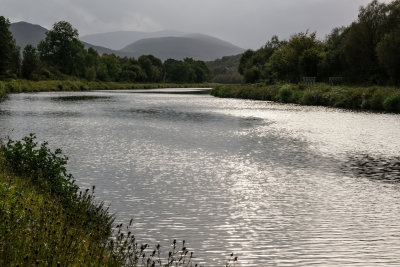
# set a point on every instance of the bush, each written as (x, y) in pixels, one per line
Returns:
(39, 162)
(374, 101)
(312, 98)
(285, 94)
(392, 103)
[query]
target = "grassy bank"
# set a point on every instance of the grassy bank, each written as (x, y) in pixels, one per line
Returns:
(46, 221)
(19, 86)
(350, 97)
(375, 98)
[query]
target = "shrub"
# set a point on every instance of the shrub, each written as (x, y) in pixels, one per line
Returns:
(39, 162)
(374, 101)
(285, 94)
(392, 103)
(313, 98)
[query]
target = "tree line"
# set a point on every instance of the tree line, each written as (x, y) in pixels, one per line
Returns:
(61, 55)
(365, 52)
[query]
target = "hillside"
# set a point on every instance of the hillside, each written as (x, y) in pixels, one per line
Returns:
(120, 39)
(200, 47)
(196, 46)
(26, 33)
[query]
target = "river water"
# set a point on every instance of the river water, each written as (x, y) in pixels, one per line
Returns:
(277, 184)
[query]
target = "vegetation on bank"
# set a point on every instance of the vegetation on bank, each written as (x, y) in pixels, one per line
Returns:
(61, 55)
(225, 70)
(350, 97)
(46, 221)
(20, 86)
(367, 52)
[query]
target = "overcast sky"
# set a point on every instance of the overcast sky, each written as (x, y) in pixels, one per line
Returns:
(246, 23)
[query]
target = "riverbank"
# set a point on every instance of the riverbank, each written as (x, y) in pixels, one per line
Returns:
(43, 220)
(21, 86)
(374, 98)
(46, 221)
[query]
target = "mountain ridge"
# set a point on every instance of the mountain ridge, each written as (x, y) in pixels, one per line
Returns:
(119, 39)
(202, 48)
(194, 45)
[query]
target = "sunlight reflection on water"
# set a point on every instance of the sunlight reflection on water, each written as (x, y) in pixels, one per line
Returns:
(280, 185)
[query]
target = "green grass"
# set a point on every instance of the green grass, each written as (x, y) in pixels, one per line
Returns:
(46, 221)
(19, 86)
(375, 98)
(3, 90)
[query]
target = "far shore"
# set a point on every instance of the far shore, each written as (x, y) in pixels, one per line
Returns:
(368, 98)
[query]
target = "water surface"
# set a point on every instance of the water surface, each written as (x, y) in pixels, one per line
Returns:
(279, 185)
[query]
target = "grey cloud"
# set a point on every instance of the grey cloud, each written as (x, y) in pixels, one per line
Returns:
(247, 23)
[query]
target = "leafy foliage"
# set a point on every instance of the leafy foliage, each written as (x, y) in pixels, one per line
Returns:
(9, 52)
(30, 62)
(366, 98)
(366, 52)
(225, 70)
(40, 163)
(62, 56)
(62, 48)
(188, 70)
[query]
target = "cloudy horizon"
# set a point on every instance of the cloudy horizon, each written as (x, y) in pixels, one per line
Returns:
(248, 24)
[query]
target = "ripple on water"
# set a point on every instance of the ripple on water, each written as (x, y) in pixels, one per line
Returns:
(279, 185)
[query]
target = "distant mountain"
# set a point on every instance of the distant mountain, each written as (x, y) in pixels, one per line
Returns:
(118, 40)
(26, 33)
(103, 50)
(196, 46)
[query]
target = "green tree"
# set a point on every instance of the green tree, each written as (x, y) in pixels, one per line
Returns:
(310, 61)
(9, 52)
(252, 75)
(15, 63)
(179, 71)
(102, 72)
(112, 67)
(153, 68)
(333, 64)
(201, 71)
(30, 62)
(253, 64)
(388, 51)
(130, 70)
(62, 48)
(92, 63)
(186, 71)
(245, 61)
(301, 55)
(359, 50)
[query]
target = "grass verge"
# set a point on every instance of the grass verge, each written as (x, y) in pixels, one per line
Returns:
(19, 86)
(375, 98)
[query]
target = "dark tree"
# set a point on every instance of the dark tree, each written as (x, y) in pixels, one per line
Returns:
(30, 62)
(9, 52)
(389, 55)
(62, 48)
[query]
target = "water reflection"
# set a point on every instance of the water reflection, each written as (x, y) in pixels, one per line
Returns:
(79, 98)
(375, 168)
(274, 183)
